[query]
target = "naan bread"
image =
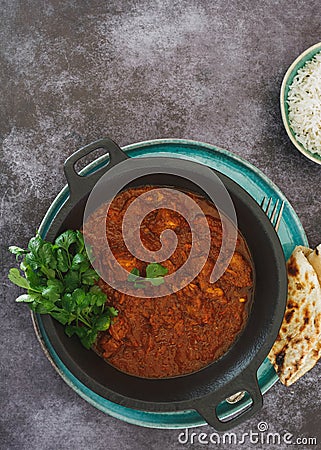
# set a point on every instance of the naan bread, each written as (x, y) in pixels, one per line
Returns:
(298, 345)
(314, 258)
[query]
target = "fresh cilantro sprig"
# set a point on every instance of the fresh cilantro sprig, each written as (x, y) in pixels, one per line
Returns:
(154, 274)
(60, 281)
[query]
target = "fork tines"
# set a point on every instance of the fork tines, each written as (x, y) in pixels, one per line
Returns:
(273, 213)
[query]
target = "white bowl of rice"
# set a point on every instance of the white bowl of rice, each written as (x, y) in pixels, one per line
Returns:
(300, 101)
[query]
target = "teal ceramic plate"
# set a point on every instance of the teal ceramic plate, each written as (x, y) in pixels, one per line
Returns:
(286, 83)
(257, 185)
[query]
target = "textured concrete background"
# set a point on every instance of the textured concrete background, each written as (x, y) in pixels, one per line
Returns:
(74, 71)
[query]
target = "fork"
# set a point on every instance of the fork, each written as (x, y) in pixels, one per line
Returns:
(275, 216)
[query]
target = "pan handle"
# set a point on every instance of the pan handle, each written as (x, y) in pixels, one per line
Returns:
(207, 406)
(80, 185)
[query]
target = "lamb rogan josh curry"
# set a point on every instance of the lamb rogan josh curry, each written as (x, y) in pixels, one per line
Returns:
(177, 333)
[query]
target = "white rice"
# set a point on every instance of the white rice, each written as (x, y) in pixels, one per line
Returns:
(304, 105)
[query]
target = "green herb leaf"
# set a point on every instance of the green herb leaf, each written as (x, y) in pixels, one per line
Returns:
(32, 261)
(35, 244)
(17, 251)
(70, 330)
(134, 274)
(139, 285)
(50, 273)
(154, 275)
(157, 281)
(16, 278)
(50, 294)
(78, 296)
(103, 323)
(57, 285)
(80, 244)
(68, 303)
(80, 262)
(155, 270)
(23, 265)
(112, 311)
(66, 239)
(71, 280)
(44, 307)
(62, 316)
(53, 290)
(89, 339)
(96, 296)
(81, 332)
(61, 282)
(36, 282)
(46, 257)
(25, 298)
(89, 277)
(62, 260)
(95, 289)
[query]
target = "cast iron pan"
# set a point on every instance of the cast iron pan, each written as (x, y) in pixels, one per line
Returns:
(237, 369)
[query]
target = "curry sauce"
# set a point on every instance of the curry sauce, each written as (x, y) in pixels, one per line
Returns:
(175, 333)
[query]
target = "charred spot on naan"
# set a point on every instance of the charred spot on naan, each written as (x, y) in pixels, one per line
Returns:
(288, 316)
(307, 315)
(297, 365)
(304, 325)
(292, 305)
(293, 268)
(279, 359)
(317, 324)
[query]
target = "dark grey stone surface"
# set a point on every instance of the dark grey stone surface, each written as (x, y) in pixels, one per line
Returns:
(74, 71)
